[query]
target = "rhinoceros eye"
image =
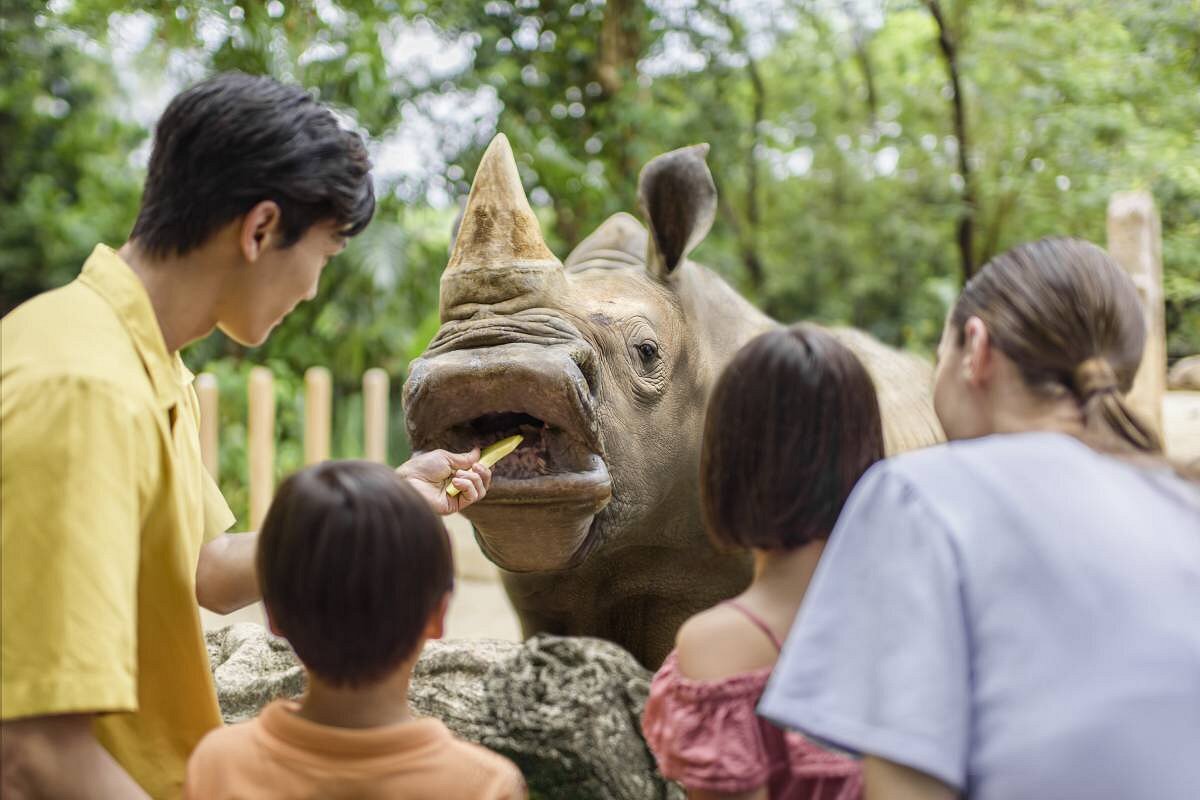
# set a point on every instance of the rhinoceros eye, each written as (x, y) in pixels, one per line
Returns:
(648, 351)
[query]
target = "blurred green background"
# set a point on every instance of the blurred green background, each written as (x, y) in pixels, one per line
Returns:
(869, 155)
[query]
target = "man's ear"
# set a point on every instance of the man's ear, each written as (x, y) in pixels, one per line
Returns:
(679, 200)
(435, 627)
(977, 352)
(259, 229)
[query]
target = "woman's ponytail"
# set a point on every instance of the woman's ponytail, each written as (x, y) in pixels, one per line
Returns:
(1108, 422)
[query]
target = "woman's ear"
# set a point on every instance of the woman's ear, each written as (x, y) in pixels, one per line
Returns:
(977, 352)
(259, 229)
(435, 626)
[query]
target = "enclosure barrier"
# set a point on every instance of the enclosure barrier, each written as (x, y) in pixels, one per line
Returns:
(260, 426)
(1135, 241)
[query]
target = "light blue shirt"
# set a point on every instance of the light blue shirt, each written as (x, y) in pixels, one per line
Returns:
(1017, 616)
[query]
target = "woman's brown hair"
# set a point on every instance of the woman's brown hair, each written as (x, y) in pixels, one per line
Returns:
(791, 426)
(1069, 318)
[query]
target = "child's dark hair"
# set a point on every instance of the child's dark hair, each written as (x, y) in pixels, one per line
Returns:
(791, 426)
(352, 562)
(235, 140)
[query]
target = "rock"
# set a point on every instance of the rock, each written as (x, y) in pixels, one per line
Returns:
(251, 668)
(566, 710)
(1185, 374)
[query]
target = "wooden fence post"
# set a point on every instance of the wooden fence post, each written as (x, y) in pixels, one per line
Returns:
(318, 404)
(210, 422)
(375, 415)
(1135, 241)
(260, 434)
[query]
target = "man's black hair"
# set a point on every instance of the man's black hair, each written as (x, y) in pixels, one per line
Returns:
(235, 140)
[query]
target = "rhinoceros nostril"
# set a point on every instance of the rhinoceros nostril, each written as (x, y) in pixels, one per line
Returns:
(585, 359)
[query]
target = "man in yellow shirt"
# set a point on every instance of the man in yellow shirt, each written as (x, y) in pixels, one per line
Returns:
(111, 529)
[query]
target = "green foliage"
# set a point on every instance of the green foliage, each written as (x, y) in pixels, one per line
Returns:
(65, 181)
(832, 144)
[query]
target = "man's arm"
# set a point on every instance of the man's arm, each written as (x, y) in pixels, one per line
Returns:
(226, 578)
(59, 757)
(887, 780)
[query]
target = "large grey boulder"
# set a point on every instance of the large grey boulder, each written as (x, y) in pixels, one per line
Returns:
(566, 710)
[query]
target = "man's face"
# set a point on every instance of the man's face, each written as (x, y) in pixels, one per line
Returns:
(267, 289)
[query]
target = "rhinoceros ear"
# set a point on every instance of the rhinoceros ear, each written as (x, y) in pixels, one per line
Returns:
(679, 200)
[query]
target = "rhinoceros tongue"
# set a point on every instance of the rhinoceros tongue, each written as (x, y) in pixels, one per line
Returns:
(500, 262)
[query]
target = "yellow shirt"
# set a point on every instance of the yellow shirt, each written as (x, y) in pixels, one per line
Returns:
(104, 506)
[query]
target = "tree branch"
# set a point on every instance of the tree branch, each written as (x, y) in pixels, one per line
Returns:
(966, 221)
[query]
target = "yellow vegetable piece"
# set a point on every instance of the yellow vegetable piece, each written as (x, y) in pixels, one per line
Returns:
(491, 454)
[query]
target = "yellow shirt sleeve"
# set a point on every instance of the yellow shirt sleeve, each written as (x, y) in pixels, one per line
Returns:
(74, 457)
(217, 516)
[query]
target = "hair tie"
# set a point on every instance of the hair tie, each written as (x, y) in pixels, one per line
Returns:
(1093, 376)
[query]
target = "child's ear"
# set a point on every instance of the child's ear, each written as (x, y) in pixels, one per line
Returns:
(435, 628)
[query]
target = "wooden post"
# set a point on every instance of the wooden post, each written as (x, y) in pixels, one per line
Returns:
(318, 404)
(375, 415)
(206, 392)
(261, 436)
(1135, 241)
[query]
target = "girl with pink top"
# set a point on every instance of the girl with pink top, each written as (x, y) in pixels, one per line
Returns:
(791, 426)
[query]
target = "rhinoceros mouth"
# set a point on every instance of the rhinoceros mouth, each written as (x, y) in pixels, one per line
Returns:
(551, 465)
(544, 497)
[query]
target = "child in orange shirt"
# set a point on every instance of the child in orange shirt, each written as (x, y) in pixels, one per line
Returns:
(356, 573)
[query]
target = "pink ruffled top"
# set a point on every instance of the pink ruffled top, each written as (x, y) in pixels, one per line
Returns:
(706, 735)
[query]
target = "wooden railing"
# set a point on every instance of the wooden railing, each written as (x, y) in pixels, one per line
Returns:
(318, 422)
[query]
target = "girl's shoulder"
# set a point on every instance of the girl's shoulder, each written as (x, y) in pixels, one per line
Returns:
(721, 643)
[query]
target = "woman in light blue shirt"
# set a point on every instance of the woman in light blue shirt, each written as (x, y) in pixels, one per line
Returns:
(1015, 614)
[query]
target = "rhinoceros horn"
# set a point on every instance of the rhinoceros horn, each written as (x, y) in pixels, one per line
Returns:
(500, 262)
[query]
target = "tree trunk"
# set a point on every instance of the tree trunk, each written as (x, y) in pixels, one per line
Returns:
(620, 44)
(966, 221)
(861, 39)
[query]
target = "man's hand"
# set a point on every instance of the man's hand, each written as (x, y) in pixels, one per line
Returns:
(429, 472)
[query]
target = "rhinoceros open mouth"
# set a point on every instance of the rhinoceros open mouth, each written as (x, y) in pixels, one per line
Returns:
(544, 497)
(552, 464)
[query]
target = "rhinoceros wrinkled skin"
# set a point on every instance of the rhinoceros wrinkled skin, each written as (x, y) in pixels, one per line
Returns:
(604, 364)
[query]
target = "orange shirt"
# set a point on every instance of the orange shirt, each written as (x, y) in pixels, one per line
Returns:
(282, 755)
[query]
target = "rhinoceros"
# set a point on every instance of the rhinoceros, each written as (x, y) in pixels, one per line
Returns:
(604, 363)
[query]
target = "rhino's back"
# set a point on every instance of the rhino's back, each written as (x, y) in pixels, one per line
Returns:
(904, 383)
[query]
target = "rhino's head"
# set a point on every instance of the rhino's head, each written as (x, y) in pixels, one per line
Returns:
(598, 363)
